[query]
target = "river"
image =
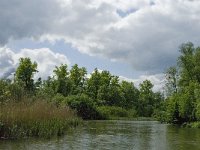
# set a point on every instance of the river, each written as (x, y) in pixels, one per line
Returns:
(116, 135)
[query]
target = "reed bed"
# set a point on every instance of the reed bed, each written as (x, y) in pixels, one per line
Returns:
(35, 119)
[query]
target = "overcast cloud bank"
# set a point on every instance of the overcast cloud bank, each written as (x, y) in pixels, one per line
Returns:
(144, 33)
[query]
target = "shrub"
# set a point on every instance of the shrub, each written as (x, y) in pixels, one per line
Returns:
(16, 92)
(193, 125)
(58, 99)
(110, 112)
(4, 93)
(84, 106)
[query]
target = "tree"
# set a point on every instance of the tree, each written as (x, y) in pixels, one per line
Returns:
(49, 88)
(77, 76)
(105, 88)
(197, 64)
(131, 95)
(25, 73)
(146, 99)
(184, 104)
(116, 97)
(93, 84)
(186, 63)
(63, 83)
(103, 92)
(171, 85)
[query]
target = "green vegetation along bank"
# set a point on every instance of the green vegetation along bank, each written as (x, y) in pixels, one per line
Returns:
(31, 107)
(182, 103)
(37, 107)
(35, 119)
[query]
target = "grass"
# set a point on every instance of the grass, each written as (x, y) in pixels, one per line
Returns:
(35, 119)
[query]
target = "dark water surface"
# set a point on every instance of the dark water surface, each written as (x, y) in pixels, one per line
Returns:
(116, 135)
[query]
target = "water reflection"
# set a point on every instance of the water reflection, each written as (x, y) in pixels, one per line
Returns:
(183, 138)
(117, 135)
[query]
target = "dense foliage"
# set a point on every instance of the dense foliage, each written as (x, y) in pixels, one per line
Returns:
(182, 104)
(88, 96)
(36, 107)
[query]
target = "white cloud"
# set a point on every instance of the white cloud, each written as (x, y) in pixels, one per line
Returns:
(147, 37)
(45, 58)
(158, 80)
(6, 61)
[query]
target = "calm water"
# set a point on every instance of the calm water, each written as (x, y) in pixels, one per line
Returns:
(117, 135)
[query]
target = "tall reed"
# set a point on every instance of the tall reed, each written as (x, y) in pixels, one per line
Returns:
(38, 118)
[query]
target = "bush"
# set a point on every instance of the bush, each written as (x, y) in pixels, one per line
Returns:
(16, 91)
(193, 125)
(58, 99)
(11, 91)
(84, 106)
(4, 93)
(110, 112)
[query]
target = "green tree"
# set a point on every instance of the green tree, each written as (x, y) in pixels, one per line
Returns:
(25, 73)
(78, 77)
(48, 88)
(105, 88)
(103, 92)
(197, 64)
(171, 76)
(63, 83)
(146, 99)
(131, 95)
(186, 64)
(184, 104)
(116, 97)
(93, 84)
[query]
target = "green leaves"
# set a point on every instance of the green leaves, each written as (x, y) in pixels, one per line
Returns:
(80, 91)
(78, 77)
(172, 78)
(149, 102)
(84, 106)
(25, 73)
(63, 83)
(184, 82)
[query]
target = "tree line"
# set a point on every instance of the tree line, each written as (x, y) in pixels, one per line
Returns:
(103, 96)
(96, 97)
(182, 104)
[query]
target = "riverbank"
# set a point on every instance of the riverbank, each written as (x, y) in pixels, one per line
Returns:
(195, 124)
(133, 118)
(35, 119)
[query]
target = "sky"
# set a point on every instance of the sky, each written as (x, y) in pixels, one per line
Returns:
(133, 39)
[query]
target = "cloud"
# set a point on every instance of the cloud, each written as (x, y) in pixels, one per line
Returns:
(27, 19)
(144, 33)
(6, 62)
(158, 80)
(45, 58)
